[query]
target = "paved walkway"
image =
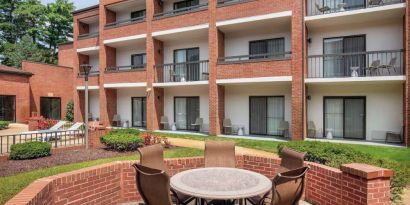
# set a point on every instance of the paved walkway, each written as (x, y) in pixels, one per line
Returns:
(14, 128)
(201, 145)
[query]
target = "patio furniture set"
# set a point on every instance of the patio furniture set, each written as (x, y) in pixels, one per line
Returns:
(219, 182)
(341, 6)
(229, 128)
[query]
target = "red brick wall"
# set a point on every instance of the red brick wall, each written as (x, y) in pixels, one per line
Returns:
(406, 95)
(66, 55)
(49, 81)
(131, 76)
(254, 69)
(17, 85)
(185, 20)
(124, 31)
(88, 42)
(114, 183)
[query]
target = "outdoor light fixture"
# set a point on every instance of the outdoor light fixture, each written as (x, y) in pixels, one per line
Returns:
(85, 70)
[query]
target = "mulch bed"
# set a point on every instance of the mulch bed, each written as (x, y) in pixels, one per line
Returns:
(12, 167)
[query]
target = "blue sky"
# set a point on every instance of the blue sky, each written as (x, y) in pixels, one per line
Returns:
(79, 4)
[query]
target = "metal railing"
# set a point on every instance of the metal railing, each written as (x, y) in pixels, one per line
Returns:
(319, 7)
(181, 11)
(255, 57)
(126, 68)
(182, 72)
(57, 139)
(359, 64)
(125, 21)
(223, 2)
(92, 73)
(88, 35)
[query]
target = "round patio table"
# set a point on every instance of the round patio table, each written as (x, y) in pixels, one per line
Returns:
(220, 183)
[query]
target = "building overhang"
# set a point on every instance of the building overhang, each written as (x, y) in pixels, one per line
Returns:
(89, 50)
(174, 84)
(254, 80)
(124, 41)
(355, 80)
(90, 87)
(125, 85)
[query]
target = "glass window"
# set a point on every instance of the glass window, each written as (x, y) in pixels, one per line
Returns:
(269, 48)
(185, 4)
(138, 60)
(138, 14)
(50, 107)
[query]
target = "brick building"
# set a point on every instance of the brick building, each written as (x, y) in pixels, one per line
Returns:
(301, 69)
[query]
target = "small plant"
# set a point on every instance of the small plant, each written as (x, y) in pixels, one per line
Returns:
(151, 139)
(29, 150)
(4, 125)
(46, 124)
(69, 115)
(122, 140)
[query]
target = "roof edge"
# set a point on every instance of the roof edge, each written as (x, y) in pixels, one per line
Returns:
(85, 9)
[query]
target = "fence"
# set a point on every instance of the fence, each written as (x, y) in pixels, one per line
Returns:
(182, 72)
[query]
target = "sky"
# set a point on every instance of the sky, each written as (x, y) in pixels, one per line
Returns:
(79, 4)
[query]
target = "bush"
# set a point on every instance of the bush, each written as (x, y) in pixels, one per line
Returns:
(4, 125)
(122, 140)
(30, 150)
(334, 155)
(69, 115)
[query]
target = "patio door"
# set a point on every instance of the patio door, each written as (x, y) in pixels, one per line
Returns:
(266, 113)
(345, 117)
(139, 112)
(50, 107)
(185, 70)
(337, 60)
(8, 108)
(186, 111)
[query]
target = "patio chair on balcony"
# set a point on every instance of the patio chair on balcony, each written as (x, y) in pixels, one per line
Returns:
(284, 128)
(220, 154)
(323, 9)
(375, 2)
(198, 123)
(390, 66)
(311, 129)
(116, 120)
(374, 67)
(291, 159)
(153, 157)
(164, 122)
(227, 125)
(287, 189)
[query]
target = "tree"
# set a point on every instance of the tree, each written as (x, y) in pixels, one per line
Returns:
(25, 49)
(59, 20)
(8, 27)
(31, 18)
(69, 115)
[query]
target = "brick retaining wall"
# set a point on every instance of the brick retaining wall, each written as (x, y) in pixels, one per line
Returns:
(115, 183)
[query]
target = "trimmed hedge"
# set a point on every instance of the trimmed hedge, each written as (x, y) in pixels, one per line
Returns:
(334, 155)
(30, 150)
(4, 125)
(122, 140)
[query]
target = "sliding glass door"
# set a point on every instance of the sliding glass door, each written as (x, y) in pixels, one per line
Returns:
(139, 112)
(342, 53)
(266, 113)
(345, 117)
(186, 111)
(50, 107)
(8, 108)
(185, 70)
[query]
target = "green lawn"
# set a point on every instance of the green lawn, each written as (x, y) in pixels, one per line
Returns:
(398, 154)
(11, 185)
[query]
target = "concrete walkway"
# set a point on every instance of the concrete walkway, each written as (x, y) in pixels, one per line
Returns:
(14, 128)
(201, 145)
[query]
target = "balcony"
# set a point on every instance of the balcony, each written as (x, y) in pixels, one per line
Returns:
(182, 72)
(88, 35)
(360, 64)
(320, 7)
(127, 68)
(124, 22)
(255, 58)
(181, 11)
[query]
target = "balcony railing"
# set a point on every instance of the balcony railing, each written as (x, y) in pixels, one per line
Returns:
(255, 57)
(227, 2)
(88, 35)
(182, 72)
(126, 68)
(360, 64)
(181, 11)
(92, 73)
(319, 7)
(125, 22)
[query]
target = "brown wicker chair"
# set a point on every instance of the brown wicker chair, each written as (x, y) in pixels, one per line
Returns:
(220, 154)
(291, 159)
(287, 189)
(153, 157)
(153, 185)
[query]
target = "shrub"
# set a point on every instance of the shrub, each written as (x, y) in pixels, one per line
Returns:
(69, 115)
(29, 150)
(122, 140)
(4, 125)
(151, 139)
(334, 155)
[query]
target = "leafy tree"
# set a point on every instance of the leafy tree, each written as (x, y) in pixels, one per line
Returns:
(30, 15)
(8, 26)
(69, 115)
(25, 49)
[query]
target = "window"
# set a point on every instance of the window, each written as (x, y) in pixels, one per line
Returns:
(186, 71)
(8, 108)
(269, 48)
(138, 60)
(135, 15)
(345, 117)
(186, 111)
(139, 111)
(339, 65)
(266, 114)
(185, 4)
(50, 107)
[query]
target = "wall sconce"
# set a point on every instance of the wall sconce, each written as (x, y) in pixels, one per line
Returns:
(159, 51)
(308, 97)
(309, 40)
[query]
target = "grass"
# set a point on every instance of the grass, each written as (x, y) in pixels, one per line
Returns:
(11, 185)
(397, 154)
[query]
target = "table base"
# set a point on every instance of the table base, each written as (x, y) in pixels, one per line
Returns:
(220, 202)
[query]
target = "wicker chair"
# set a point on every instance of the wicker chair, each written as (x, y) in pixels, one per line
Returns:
(220, 154)
(153, 185)
(153, 157)
(287, 189)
